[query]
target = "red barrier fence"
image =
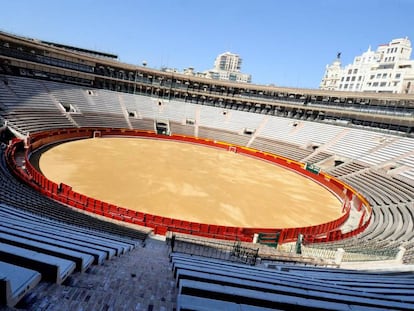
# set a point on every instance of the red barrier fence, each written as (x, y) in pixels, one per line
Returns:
(63, 193)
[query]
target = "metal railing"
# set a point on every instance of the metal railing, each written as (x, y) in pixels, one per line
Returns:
(235, 251)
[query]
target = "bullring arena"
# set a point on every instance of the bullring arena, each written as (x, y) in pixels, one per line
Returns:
(189, 182)
(128, 188)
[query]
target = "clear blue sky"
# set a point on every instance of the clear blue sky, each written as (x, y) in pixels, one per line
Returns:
(286, 43)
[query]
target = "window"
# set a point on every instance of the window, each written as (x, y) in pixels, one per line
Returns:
(360, 78)
(353, 78)
(398, 75)
(375, 84)
(355, 70)
(347, 78)
(384, 75)
(372, 77)
(383, 84)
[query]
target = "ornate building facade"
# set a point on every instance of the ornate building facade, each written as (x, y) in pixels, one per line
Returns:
(386, 70)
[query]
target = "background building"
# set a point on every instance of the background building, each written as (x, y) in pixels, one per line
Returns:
(227, 67)
(388, 69)
(332, 76)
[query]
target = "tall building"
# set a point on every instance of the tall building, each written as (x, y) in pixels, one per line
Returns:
(227, 66)
(388, 69)
(228, 62)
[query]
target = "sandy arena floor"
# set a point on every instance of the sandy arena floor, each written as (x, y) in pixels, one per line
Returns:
(189, 182)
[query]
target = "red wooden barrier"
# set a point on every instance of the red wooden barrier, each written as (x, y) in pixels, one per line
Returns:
(65, 194)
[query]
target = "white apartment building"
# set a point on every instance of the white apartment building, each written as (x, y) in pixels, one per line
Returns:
(227, 66)
(388, 69)
(228, 62)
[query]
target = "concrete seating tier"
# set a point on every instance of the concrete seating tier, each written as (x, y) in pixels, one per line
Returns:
(42, 248)
(16, 194)
(391, 149)
(32, 105)
(380, 188)
(223, 136)
(52, 268)
(347, 168)
(94, 119)
(229, 120)
(15, 282)
(356, 143)
(212, 281)
(280, 148)
(182, 129)
(391, 226)
(317, 156)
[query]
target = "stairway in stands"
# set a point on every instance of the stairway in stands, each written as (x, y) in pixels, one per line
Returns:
(138, 280)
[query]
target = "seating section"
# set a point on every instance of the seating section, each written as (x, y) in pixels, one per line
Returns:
(391, 148)
(390, 227)
(15, 194)
(317, 156)
(29, 107)
(217, 284)
(347, 168)
(392, 221)
(409, 163)
(356, 144)
(53, 249)
(43, 239)
(224, 136)
(229, 120)
(15, 282)
(380, 188)
(42, 235)
(182, 129)
(284, 149)
(301, 133)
